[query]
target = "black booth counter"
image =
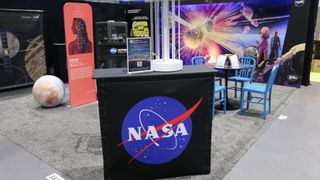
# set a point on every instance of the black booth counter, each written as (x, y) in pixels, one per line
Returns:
(120, 74)
(155, 125)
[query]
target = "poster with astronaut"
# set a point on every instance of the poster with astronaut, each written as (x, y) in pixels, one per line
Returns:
(22, 51)
(255, 28)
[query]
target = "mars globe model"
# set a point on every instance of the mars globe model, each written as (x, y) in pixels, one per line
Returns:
(48, 91)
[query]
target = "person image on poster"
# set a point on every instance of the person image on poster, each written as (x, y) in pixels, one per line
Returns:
(263, 45)
(275, 46)
(81, 44)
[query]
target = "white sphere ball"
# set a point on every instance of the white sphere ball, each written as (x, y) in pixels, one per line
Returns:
(48, 91)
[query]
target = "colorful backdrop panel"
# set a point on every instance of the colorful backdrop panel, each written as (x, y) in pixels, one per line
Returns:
(265, 30)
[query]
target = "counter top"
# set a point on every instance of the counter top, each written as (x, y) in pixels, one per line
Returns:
(121, 73)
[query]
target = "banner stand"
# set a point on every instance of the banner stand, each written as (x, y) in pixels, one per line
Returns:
(78, 20)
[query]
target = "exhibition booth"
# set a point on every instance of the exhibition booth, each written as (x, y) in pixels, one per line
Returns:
(234, 31)
(160, 70)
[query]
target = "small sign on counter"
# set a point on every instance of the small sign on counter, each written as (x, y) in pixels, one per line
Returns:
(139, 55)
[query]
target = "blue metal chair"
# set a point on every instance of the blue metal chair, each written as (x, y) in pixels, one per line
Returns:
(265, 89)
(197, 60)
(245, 75)
(221, 100)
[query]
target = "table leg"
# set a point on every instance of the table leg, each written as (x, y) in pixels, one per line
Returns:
(226, 78)
(231, 105)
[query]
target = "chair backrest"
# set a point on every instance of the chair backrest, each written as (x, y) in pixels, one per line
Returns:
(247, 73)
(198, 60)
(272, 77)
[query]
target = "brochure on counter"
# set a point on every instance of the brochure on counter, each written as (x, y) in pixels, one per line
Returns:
(222, 59)
(139, 55)
(234, 61)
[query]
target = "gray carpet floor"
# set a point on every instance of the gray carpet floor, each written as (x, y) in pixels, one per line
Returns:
(69, 139)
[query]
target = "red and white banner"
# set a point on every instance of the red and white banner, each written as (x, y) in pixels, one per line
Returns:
(78, 22)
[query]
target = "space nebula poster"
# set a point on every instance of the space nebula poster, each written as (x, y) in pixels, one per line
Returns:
(250, 28)
(221, 28)
(22, 51)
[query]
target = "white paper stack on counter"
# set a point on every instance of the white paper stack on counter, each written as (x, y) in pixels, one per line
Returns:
(221, 61)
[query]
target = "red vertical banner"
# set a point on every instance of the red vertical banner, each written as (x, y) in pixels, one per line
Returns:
(78, 22)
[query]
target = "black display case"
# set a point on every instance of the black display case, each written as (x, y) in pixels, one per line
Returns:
(111, 44)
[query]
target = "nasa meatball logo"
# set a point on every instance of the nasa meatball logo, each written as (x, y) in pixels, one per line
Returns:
(157, 130)
(299, 3)
(113, 51)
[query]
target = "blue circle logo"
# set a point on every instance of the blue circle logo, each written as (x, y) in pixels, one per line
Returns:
(113, 51)
(157, 130)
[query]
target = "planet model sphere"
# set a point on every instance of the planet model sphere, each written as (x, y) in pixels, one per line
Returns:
(48, 91)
